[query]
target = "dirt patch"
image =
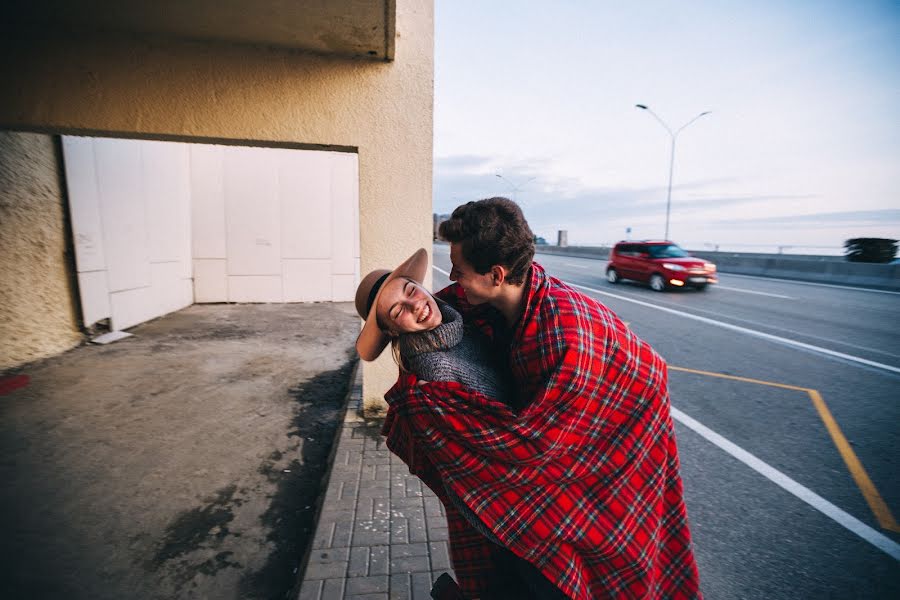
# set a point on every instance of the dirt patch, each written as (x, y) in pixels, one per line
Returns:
(185, 462)
(290, 517)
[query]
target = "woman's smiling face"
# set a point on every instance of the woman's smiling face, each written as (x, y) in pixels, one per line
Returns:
(404, 306)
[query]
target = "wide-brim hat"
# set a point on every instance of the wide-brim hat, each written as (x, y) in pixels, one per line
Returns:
(372, 341)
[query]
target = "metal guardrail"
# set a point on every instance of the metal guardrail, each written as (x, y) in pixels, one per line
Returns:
(819, 269)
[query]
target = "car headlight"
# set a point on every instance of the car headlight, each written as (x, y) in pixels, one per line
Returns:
(709, 266)
(673, 267)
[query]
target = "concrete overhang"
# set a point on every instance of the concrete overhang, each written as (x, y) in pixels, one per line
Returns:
(345, 28)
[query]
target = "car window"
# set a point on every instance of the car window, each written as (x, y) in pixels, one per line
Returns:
(667, 251)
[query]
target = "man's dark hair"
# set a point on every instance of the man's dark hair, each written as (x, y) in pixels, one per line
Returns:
(492, 232)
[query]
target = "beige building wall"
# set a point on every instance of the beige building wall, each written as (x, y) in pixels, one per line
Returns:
(37, 314)
(119, 84)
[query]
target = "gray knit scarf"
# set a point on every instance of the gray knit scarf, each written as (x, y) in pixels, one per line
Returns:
(443, 337)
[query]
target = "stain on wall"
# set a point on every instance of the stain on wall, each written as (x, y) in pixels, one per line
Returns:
(37, 317)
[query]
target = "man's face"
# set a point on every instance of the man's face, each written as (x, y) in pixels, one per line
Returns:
(478, 288)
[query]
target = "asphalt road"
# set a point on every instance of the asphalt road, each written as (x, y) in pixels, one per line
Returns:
(760, 368)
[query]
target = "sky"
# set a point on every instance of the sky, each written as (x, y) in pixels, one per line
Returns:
(801, 149)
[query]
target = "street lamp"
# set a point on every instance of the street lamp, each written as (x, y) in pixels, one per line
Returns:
(515, 188)
(671, 154)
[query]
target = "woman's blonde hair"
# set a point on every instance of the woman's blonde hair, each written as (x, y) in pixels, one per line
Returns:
(395, 343)
(395, 352)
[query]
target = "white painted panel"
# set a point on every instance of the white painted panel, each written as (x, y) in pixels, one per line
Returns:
(84, 203)
(354, 204)
(253, 212)
(166, 287)
(186, 287)
(131, 307)
(307, 280)
(344, 194)
(207, 201)
(343, 288)
(254, 288)
(183, 216)
(122, 213)
(94, 296)
(304, 185)
(166, 194)
(210, 280)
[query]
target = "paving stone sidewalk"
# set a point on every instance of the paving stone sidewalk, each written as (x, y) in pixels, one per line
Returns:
(381, 533)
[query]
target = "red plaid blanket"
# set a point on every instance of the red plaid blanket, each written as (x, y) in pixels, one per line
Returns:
(584, 481)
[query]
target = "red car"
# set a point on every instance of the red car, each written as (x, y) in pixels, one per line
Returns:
(662, 264)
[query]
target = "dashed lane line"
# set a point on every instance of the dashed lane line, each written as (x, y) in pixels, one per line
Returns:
(753, 332)
(841, 517)
(831, 285)
(731, 289)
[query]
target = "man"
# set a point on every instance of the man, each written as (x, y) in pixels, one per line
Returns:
(581, 482)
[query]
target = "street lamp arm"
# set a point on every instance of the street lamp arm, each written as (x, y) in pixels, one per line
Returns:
(674, 136)
(706, 112)
(515, 188)
(512, 185)
(655, 116)
(507, 182)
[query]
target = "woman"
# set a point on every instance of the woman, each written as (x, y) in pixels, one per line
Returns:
(426, 334)
(430, 341)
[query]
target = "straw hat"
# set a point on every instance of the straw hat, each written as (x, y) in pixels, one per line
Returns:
(372, 340)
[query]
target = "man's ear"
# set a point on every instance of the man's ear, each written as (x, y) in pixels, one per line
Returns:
(498, 274)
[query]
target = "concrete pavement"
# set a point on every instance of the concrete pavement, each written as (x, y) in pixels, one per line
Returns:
(183, 462)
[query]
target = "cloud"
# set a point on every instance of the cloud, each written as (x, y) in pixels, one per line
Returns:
(593, 213)
(461, 178)
(850, 218)
(469, 177)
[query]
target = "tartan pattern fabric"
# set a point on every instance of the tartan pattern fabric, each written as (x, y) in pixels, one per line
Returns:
(583, 482)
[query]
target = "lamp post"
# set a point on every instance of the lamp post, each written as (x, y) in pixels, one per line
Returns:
(515, 188)
(673, 135)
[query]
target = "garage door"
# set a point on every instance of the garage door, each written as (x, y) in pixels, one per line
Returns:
(159, 225)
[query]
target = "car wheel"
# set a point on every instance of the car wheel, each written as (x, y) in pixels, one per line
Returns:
(657, 283)
(701, 287)
(612, 276)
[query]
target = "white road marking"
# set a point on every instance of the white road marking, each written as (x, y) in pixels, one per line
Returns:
(794, 281)
(725, 287)
(831, 285)
(753, 332)
(831, 511)
(577, 266)
(880, 541)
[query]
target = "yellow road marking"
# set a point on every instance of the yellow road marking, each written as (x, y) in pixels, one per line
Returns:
(877, 505)
(735, 378)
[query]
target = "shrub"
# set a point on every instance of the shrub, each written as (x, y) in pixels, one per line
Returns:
(872, 250)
